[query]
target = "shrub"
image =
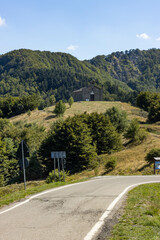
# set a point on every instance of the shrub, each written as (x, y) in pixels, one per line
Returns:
(51, 178)
(155, 152)
(154, 112)
(111, 163)
(140, 136)
(104, 135)
(60, 108)
(118, 118)
(134, 133)
(70, 101)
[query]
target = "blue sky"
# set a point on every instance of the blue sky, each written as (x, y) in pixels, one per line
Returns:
(83, 28)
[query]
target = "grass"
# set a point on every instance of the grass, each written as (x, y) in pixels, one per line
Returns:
(46, 117)
(141, 218)
(131, 160)
(15, 192)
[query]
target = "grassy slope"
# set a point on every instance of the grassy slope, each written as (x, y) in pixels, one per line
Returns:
(141, 218)
(131, 159)
(46, 116)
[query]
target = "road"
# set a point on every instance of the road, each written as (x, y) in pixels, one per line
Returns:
(66, 213)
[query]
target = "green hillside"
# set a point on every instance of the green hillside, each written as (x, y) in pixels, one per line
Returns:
(60, 74)
(138, 69)
(122, 74)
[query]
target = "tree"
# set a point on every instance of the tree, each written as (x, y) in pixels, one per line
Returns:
(52, 100)
(60, 108)
(118, 118)
(154, 112)
(144, 100)
(70, 101)
(9, 169)
(155, 152)
(72, 136)
(134, 133)
(151, 103)
(103, 133)
(132, 130)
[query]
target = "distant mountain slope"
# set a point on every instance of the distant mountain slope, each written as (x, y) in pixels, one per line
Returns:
(26, 71)
(140, 70)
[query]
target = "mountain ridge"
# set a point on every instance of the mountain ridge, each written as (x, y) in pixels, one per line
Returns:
(122, 74)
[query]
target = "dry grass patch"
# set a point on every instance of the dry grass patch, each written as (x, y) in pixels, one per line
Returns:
(132, 160)
(46, 117)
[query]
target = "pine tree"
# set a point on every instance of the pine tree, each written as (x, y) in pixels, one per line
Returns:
(60, 108)
(70, 101)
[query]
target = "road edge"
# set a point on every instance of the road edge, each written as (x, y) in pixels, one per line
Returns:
(96, 228)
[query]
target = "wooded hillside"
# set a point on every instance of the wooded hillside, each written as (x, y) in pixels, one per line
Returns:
(122, 74)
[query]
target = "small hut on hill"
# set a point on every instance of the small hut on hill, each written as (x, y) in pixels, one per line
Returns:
(91, 93)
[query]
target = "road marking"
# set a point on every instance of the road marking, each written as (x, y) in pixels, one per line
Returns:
(99, 224)
(104, 216)
(45, 192)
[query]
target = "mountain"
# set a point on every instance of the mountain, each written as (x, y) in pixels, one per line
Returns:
(140, 70)
(122, 74)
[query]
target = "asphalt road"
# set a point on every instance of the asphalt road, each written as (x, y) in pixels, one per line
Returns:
(65, 213)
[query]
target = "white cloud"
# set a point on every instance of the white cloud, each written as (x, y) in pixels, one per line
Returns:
(2, 21)
(158, 39)
(72, 47)
(143, 36)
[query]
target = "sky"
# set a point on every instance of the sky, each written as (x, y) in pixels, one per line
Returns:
(82, 28)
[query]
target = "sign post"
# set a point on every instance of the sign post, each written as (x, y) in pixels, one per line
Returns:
(59, 155)
(54, 169)
(24, 171)
(22, 153)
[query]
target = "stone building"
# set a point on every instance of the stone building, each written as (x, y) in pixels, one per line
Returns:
(91, 93)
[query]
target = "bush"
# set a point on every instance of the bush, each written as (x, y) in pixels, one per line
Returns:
(140, 136)
(111, 163)
(118, 118)
(104, 135)
(70, 101)
(154, 112)
(155, 152)
(134, 133)
(60, 108)
(51, 178)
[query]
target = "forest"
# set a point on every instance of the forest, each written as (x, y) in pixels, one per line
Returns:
(34, 79)
(121, 74)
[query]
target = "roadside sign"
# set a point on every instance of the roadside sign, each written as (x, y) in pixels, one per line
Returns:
(60, 154)
(26, 163)
(25, 150)
(57, 156)
(156, 164)
(53, 155)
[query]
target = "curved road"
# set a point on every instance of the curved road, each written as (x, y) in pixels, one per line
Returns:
(71, 212)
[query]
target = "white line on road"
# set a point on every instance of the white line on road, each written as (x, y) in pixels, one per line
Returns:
(45, 192)
(99, 224)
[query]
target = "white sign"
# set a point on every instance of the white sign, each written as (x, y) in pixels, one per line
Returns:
(61, 154)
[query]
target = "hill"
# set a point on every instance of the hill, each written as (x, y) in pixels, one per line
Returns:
(46, 117)
(131, 159)
(122, 74)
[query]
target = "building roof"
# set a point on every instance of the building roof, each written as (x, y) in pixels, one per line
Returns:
(80, 90)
